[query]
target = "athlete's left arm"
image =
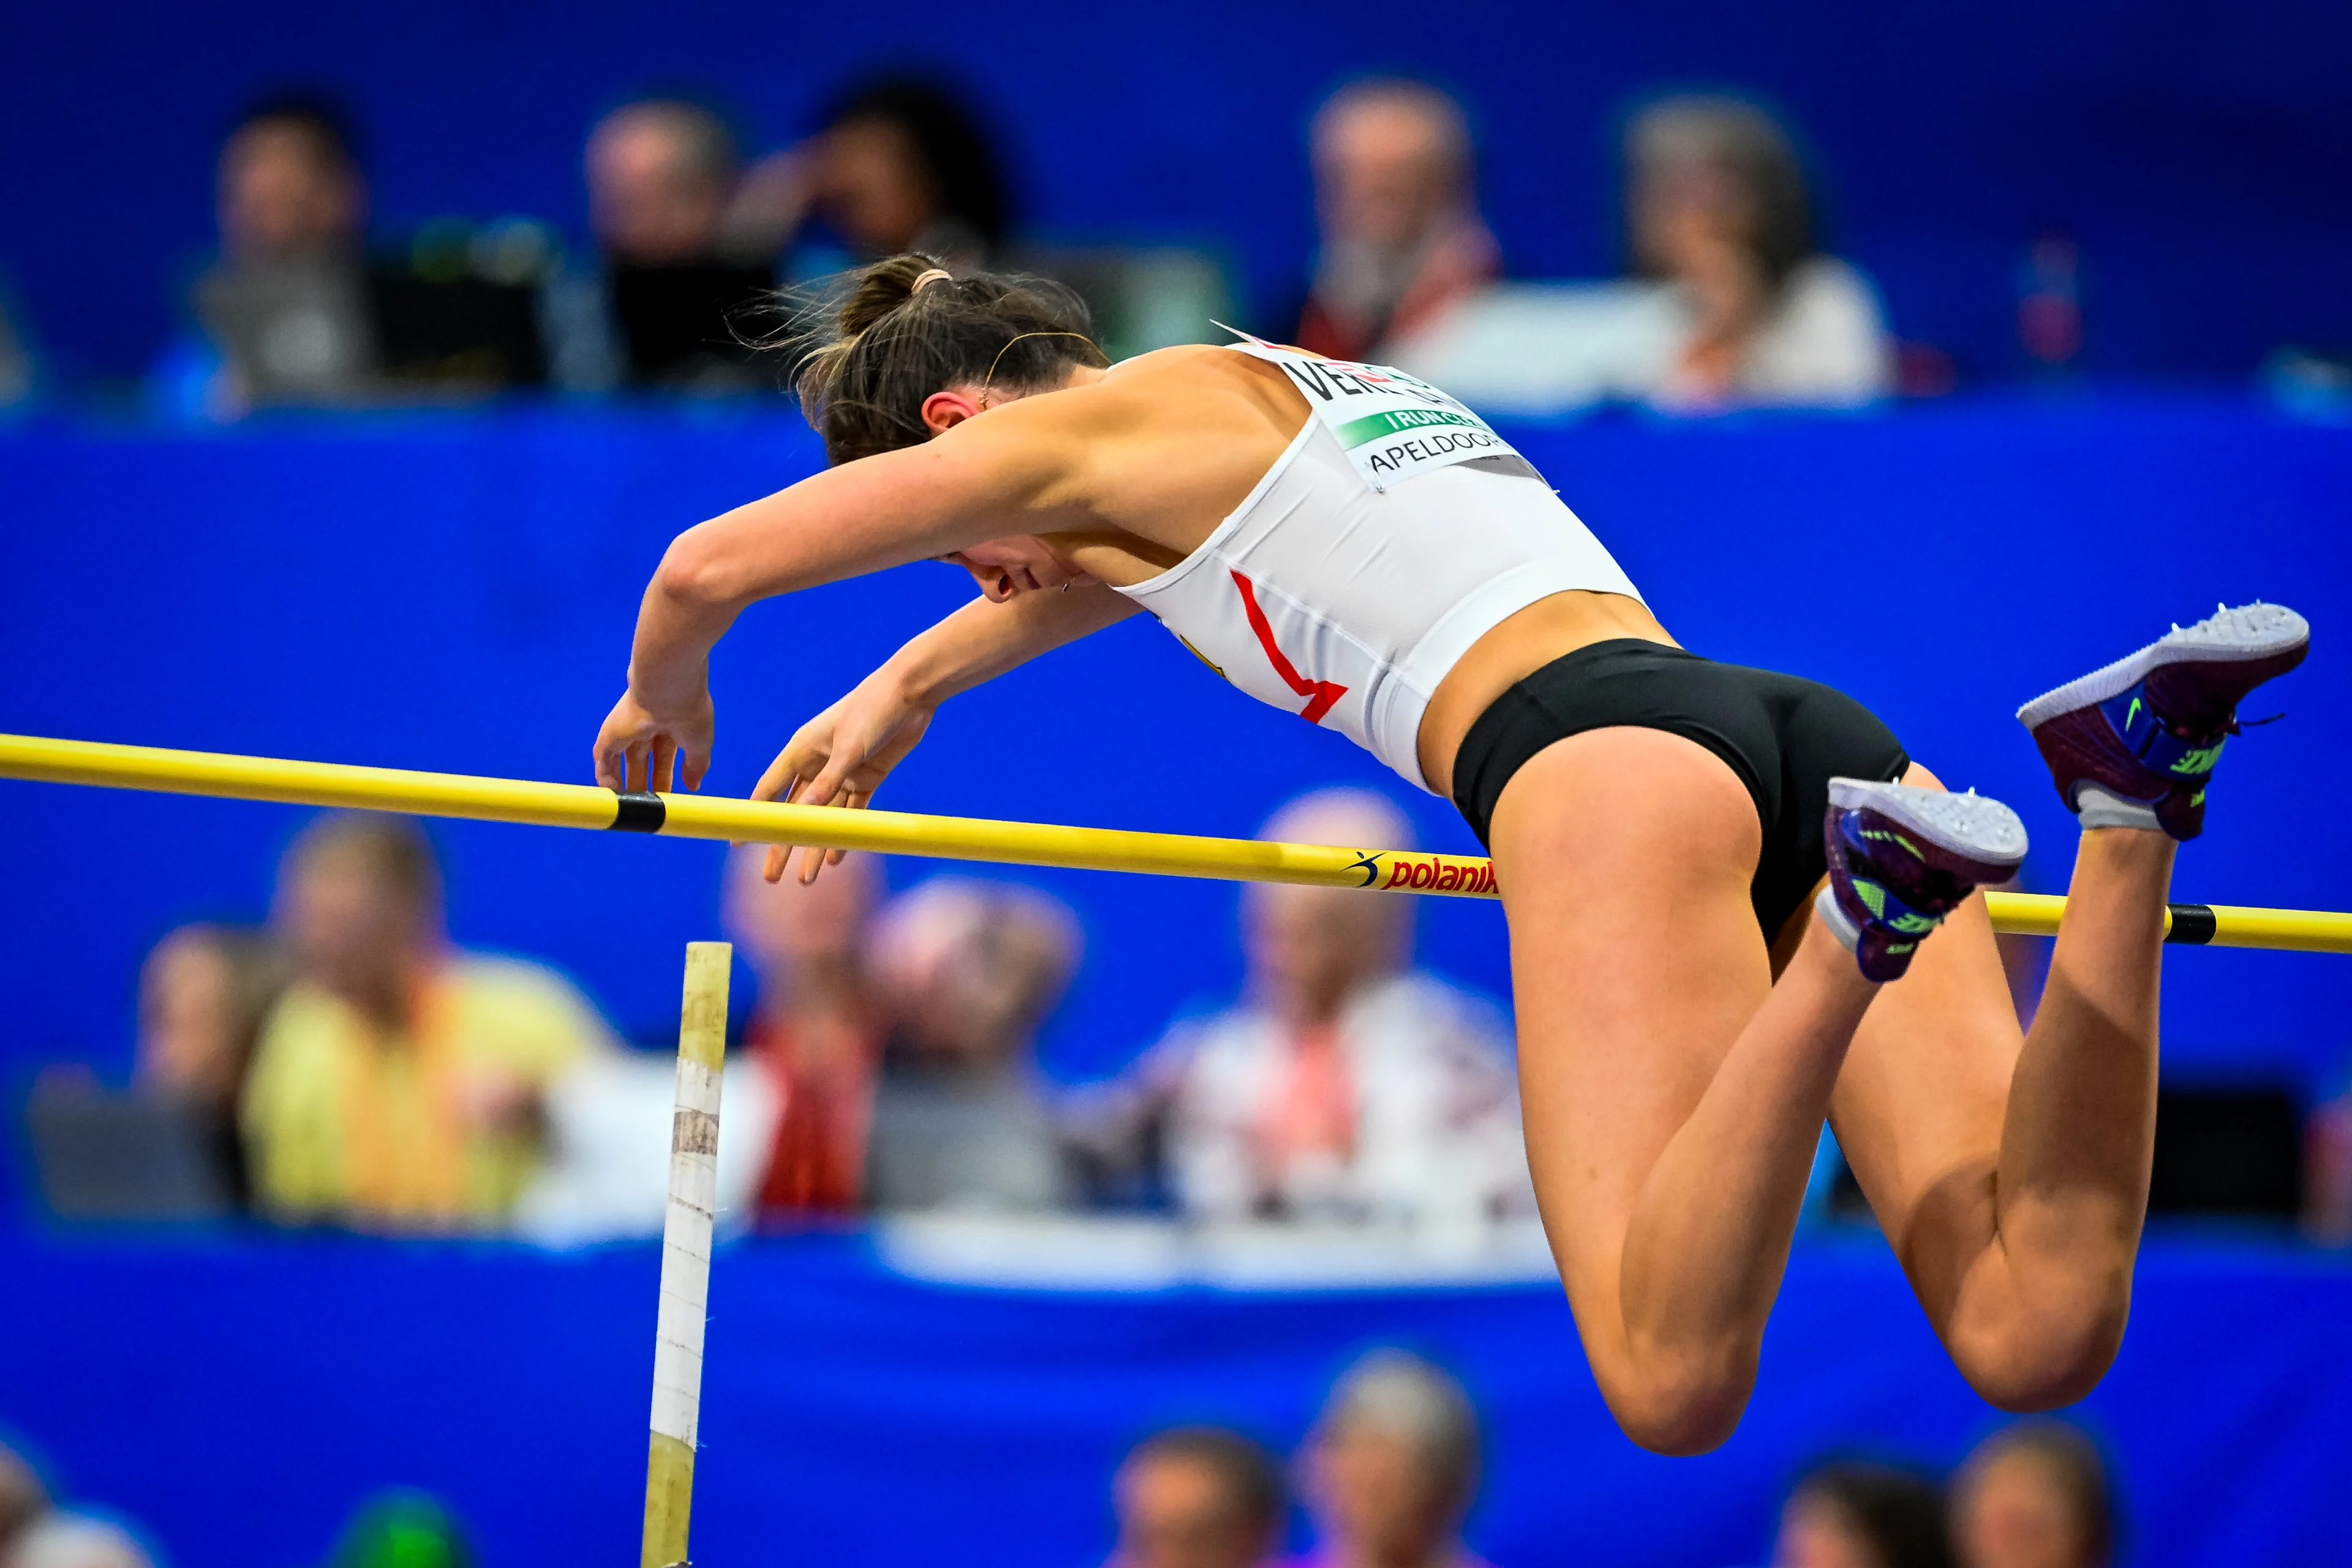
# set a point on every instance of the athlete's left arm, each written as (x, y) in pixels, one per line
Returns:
(1009, 473)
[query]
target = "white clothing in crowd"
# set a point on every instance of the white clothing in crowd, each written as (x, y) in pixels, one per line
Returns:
(1550, 347)
(1427, 1073)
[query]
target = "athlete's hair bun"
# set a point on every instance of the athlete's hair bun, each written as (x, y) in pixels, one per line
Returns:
(904, 329)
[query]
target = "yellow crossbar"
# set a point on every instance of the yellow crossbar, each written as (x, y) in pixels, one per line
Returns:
(947, 837)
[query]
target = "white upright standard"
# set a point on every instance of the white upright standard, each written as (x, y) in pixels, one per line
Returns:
(685, 1256)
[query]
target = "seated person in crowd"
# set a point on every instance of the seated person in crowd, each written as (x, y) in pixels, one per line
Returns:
(680, 283)
(1392, 1467)
(1859, 1515)
(35, 1533)
(968, 971)
(817, 1032)
(1346, 1086)
(203, 995)
(286, 306)
(2033, 1495)
(398, 1081)
(1719, 212)
(1401, 239)
(1197, 1497)
(899, 164)
(2327, 1169)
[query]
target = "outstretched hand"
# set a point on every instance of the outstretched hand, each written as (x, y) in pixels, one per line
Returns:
(840, 758)
(640, 750)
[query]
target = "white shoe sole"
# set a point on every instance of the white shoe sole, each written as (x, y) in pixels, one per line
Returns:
(2247, 633)
(1972, 825)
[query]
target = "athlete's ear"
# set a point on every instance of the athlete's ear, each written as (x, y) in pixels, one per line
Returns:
(943, 411)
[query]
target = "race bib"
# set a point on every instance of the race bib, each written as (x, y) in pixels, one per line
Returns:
(1391, 426)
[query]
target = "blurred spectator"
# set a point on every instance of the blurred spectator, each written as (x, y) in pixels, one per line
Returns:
(968, 970)
(35, 1533)
(62, 1539)
(1346, 1086)
(661, 176)
(203, 995)
(23, 1498)
(660, 172)
(818, 1034)
(2327, 1171)
(1197, 1497)
(899, 164)
(1730, 301)
(286, 306)
(2033, 1495)
(1392, 1467)
(398, 1082)
(1857, 1515)
(1401, 239)
(1717, 210)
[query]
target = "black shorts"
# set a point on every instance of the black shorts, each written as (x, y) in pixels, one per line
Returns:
(1786, 738)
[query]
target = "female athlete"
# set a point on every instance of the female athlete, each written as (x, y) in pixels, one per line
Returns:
(1723, 885)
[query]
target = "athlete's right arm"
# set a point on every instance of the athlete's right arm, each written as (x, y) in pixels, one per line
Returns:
(841, 755)
(1006, 474)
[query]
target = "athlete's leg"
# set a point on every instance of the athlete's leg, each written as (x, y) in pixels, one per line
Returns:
(2012, 1171)
(1674, 1095)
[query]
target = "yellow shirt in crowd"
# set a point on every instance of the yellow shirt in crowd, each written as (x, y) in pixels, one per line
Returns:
(343, 1119)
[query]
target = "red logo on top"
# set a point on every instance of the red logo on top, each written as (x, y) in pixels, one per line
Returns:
(1321, 695)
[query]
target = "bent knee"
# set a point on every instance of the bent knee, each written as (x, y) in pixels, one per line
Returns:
(1682, 1404)
(2044, 1366)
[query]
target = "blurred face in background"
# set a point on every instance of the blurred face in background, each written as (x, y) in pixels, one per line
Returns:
(2009, 1511)
(286, 192)
(191, 1025)
(968, 973)
(1310, 950)
(1693, 217)
(656, 195)
(1177, 1511)
(352, 930)
(1376, 1496)
(1389, 168)
(788, 930)
(873, 185)
(1818, 1531)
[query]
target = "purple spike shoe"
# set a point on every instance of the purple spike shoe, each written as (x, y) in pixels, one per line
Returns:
(2143, 734)
(1903, 858)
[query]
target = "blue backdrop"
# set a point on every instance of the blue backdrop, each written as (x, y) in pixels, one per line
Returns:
(242, 1398)
(456, 594)
(2198, 152)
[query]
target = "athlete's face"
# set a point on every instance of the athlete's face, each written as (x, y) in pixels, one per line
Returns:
(1021, 564)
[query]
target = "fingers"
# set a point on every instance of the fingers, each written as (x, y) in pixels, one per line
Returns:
(777, 783)
(609, 764)
(661, 764)
(694, 765)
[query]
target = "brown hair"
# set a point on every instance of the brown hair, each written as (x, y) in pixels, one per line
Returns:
(1251, 1481)
(893, 344)
(1750, 146)
(392, 849)
(2070, 1463)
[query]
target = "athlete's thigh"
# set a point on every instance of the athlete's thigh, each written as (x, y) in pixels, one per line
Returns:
(1920, 1105)
(1623, 858)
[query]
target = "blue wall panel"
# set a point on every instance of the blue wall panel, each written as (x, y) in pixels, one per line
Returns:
(242, 1397)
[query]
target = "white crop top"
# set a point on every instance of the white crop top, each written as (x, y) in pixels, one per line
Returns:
(1394, 532)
